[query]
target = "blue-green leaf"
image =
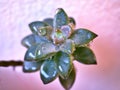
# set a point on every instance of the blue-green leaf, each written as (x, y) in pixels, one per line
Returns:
(33, 39)
(49, 21)
(72, 22)
(41, 29)
(82, 36)
(36, 26)
(31, 66)
(64, 63)
(68, 46)
(60, 18)
(40, 51)
(48, 71)
(30, 55)
(69, 81)
(84, 55)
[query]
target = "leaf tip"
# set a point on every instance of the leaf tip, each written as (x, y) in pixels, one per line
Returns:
(95, 62)
(95, 35)
(59, 9)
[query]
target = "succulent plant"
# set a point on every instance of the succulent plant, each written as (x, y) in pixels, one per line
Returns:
(54, 45)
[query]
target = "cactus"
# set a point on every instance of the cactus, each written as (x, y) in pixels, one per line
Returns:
(53, 47)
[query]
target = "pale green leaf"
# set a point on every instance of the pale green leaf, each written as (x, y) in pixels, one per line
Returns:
(84, 55)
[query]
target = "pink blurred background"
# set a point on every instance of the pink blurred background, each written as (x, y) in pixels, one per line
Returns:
(100, 16)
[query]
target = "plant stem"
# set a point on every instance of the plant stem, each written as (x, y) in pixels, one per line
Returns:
(13, 63)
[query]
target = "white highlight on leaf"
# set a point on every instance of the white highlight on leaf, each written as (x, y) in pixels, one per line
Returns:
(31, 54)
(60, 68)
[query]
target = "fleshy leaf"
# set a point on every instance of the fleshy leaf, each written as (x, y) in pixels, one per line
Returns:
(48, 71)
(60, 19)
(69, 81)
(36, 25)
(41, 28)
(49, 21)
(72, 22)
(31, 66)
(82, 36)
(84, 55)
(30, 55)
(68, 46)
(63, 63)
(46, 50)
(40, 51)
(33, 39)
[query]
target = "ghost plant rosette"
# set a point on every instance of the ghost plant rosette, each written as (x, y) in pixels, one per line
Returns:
(54, 45)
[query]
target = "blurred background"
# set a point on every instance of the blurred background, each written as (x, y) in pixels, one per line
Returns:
(100, 16)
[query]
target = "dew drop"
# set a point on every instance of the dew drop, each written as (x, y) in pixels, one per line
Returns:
(42, 31)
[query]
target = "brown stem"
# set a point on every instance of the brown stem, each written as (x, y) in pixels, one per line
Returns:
(11, 63)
